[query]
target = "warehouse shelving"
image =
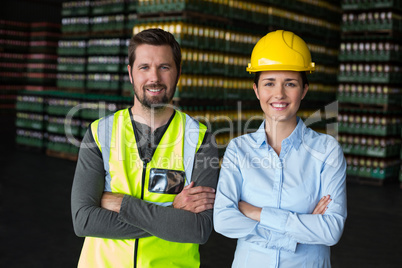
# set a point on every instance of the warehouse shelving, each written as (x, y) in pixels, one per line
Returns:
(29, 121)
(216, 37)
(223, 33)
(370, 117)
(14, 49)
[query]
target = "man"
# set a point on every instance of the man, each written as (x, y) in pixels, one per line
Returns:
(143, 194)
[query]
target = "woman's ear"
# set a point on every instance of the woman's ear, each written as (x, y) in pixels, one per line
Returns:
(256, 90)
(304, 91)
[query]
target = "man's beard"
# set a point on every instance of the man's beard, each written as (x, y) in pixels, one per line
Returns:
(155, 102)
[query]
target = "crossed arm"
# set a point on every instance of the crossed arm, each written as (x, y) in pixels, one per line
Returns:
(274, 227)
(254, 212)
(194, 199)
(118, 216)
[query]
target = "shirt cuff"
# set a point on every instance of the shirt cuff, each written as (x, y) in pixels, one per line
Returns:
(282, 242)
(124, 215)
(274, 219)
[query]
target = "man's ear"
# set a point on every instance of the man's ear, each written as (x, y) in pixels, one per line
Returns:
(129, 73)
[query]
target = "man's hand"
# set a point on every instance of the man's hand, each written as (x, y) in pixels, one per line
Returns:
(195, 199)
(250, 211)
(111, 201)
(322, 205)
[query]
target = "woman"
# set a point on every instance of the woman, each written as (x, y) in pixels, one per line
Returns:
(282, 190)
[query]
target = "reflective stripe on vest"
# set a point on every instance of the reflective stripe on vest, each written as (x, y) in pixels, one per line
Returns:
(125, 173)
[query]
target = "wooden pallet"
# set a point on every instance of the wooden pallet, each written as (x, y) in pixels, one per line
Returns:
(369, 181)
(185, 14)
(72, 90)
(371, 107)
(62, 155)
(365, 181)
(27, 148)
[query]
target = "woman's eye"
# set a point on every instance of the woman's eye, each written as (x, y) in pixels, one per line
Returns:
(269, 84)
(290, 85)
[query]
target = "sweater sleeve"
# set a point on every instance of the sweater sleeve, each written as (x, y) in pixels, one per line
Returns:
(89, 219)
(175, 224)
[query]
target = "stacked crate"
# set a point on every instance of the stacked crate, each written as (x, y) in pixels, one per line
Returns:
(93, 52)
(370, 90)
(72, 47)
(55, 122)
(107, 47)
(14, 49)
(42, 57)
(217, 38)
(30, 120)
(62, 124)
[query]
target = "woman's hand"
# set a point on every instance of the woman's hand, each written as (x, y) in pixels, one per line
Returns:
(254, 213)
(250, 211)
(322, 206)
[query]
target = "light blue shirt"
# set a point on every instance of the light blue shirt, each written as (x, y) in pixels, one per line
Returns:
(287, 188)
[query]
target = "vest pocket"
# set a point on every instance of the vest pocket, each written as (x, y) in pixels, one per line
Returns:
(166, 181)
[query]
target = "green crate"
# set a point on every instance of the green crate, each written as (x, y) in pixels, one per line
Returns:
(70, 83)
(352, 170)
(101, 85)
(27, 123)
(385, 173)
(29, 106)
(107, 68)
(60, 129)
(76, 68)
(364, 172)
(62, 147)
(103, 50)
(108, 9)
(28, 141)
(75, 28)
(71, 51)
(71, 12)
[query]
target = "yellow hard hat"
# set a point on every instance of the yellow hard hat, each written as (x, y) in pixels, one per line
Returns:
(281, 51)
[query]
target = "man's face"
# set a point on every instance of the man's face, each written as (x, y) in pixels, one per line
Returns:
(153, 75)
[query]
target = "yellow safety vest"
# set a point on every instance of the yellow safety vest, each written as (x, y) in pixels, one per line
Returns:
(126, 173)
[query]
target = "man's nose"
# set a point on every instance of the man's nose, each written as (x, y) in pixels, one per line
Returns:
(153, 75)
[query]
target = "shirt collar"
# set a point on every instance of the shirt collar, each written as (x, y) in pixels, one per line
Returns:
(295, 138)
(260, 136)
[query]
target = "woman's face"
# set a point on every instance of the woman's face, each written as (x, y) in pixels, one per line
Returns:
(280, 94)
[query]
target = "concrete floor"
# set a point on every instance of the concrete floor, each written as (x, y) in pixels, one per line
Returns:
(36, 228)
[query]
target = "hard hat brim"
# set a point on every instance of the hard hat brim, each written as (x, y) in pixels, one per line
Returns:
(281, 68)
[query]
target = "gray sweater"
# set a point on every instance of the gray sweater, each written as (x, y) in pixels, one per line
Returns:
(137, 218)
